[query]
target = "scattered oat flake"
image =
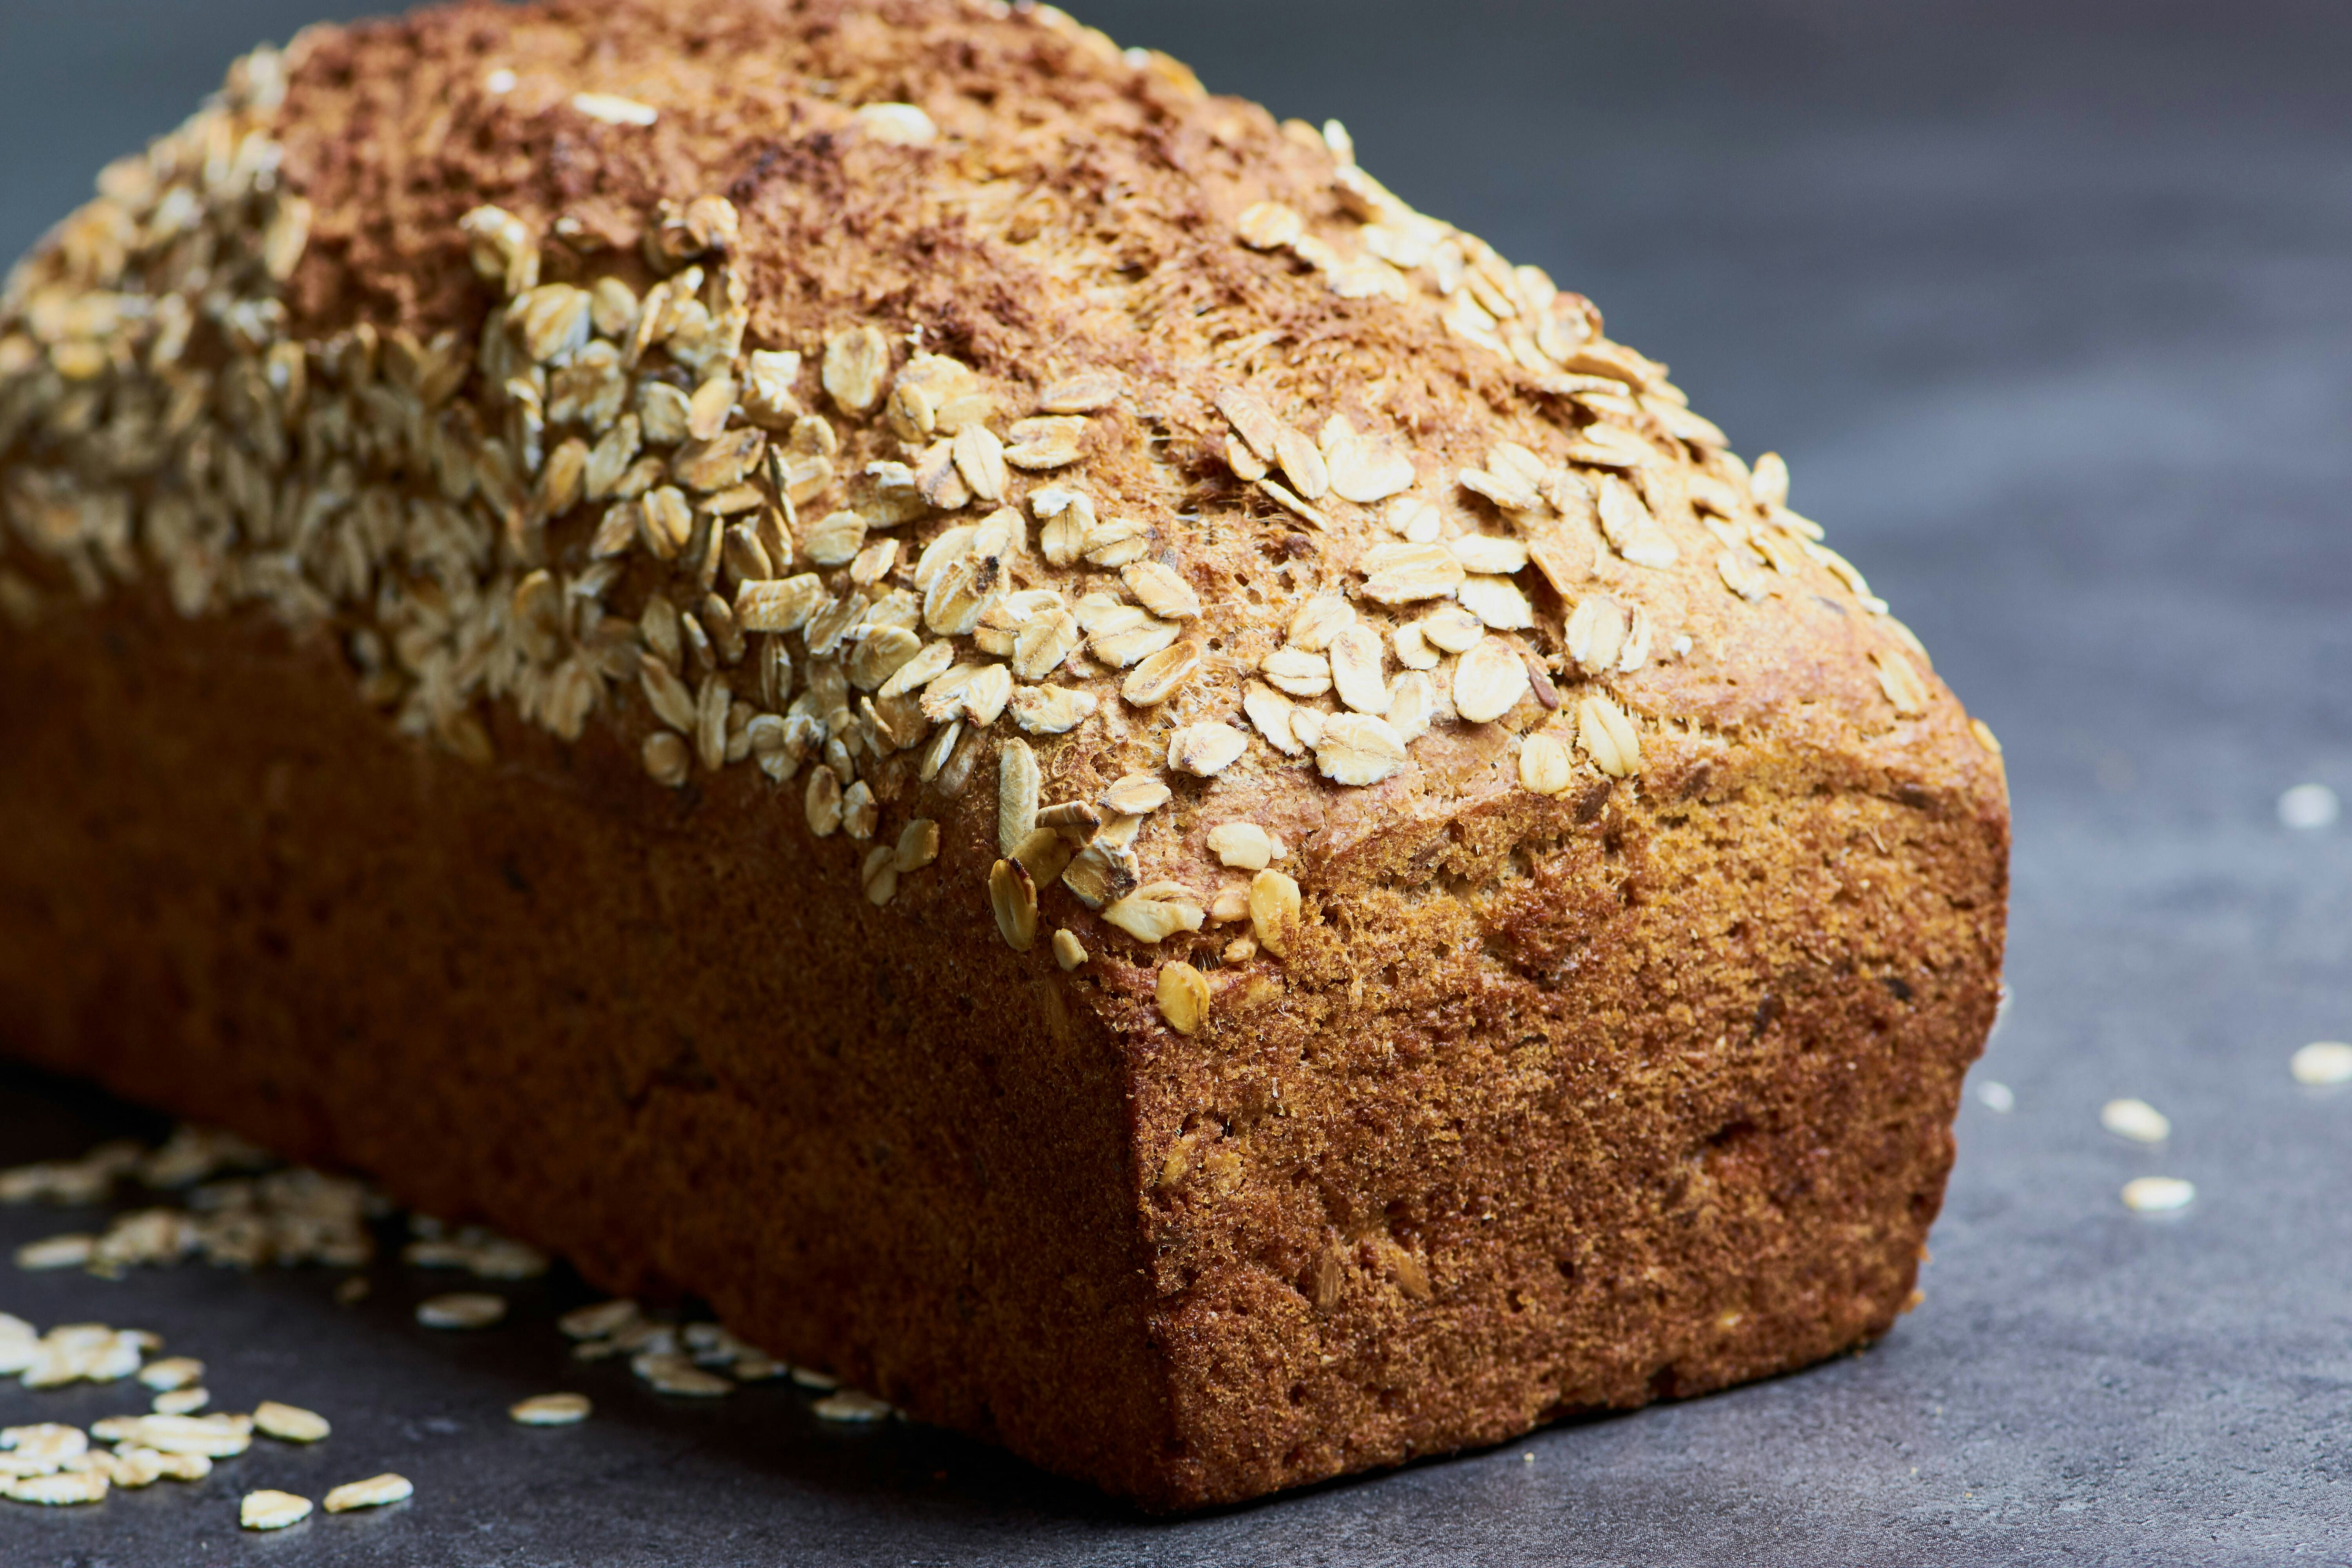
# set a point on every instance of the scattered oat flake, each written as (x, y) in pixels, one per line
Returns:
(289, 1422)
(549, 1409)
(272, 1510)
(373, 1492)
(1996, 1095)
(2308, 807)
(596, 1321)
(2136, 1119)
(461, 1309)
(849, 1406)
(56, 1490)
(2322, 1062)
(171, 1371)
(68, 1251)
(2159, 1195)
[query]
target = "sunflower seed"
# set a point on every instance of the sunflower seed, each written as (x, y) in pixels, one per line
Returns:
(1767, 481)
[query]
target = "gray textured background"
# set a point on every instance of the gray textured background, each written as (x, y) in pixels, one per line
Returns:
(2048, 305)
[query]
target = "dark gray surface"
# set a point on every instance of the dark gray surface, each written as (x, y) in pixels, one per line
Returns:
(2049, 307)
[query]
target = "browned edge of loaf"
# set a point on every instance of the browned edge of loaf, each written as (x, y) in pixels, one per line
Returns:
(1634, 1087)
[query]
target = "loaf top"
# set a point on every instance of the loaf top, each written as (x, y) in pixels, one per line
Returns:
(880, 396)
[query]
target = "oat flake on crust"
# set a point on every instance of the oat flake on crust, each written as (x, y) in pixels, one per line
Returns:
(1128, 421)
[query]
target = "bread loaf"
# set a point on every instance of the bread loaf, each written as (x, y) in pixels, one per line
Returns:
(880, 662)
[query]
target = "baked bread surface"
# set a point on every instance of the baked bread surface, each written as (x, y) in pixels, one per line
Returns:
(1511, 911)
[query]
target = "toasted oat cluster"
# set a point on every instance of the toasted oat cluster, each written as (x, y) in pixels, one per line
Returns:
(857, 563)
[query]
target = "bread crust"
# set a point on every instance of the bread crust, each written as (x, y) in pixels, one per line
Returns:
(1581, 1076)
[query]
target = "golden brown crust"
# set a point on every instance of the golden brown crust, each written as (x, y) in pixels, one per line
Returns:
(1595, 1036)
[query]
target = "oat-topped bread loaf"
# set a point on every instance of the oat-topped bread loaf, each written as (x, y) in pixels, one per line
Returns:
(878, 661)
